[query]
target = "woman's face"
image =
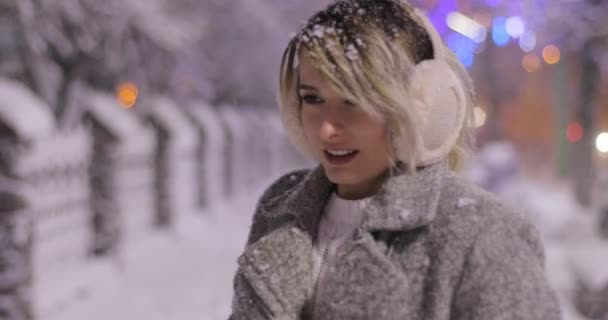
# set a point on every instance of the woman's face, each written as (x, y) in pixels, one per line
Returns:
(351, 145)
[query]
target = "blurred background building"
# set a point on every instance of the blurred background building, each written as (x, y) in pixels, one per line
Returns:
(134, 133)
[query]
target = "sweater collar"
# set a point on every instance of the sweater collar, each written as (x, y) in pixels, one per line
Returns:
(405, 201)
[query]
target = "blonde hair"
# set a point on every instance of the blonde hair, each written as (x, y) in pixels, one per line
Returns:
(367, 49)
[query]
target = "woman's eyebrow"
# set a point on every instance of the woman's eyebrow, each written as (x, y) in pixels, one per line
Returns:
(304, 86)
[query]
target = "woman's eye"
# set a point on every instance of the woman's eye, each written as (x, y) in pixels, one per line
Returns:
(311, 99)
(351, 105)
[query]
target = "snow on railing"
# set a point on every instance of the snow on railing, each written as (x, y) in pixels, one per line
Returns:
(212, 153)
(73, 201)
(236, 148)
(176, 160)
(56, 172)
(123, 172)
(47, 169)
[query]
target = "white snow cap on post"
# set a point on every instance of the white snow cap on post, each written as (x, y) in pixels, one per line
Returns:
(24, 112)
(134, 136)
(182, 132)
(214, 161)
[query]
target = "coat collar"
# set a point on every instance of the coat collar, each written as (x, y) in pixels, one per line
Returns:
(405, 201)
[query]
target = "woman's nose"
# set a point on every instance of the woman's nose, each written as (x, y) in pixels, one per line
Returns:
(331, 128)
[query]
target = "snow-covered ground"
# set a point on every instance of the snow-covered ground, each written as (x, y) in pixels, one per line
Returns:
(186, 273)
(182, 274)
(576, 256)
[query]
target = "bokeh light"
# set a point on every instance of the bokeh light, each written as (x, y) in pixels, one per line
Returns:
(515, 26)
(463, 47)
(127, 93)
(493, 3)
(551, 54)
(500, 36)
(480, 116)
(527, 41)
(466, 26)
(601, 142)
(574, 132)
(531, 62)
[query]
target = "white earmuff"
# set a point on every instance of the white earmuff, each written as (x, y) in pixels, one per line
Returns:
(439, 101)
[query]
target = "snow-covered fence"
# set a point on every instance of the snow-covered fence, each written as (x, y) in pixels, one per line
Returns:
(256, 146)
(236, 148)
(48, 169)
(122, 172)
(15, 253)
(212, 153)
(176, 160)
(56, 171)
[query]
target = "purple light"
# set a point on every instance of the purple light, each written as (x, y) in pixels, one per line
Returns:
(463, 47)
(500, 36)
(439, 15)
(493, 3)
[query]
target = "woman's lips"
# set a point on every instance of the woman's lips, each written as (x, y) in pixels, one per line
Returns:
(340, 159)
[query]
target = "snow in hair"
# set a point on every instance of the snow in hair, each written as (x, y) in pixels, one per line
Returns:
(367, 49)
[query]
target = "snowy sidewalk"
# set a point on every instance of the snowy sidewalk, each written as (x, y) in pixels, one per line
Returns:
(183, 274)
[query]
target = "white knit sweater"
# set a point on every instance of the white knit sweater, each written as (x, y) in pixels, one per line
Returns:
(338, 222)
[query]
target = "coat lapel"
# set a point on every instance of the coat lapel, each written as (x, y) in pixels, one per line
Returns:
(279, 265)
(406, 201)
(366, 282)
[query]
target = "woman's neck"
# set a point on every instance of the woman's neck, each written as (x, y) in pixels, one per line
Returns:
(363, 189)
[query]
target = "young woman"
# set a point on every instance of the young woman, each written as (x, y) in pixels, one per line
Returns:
(383, 228)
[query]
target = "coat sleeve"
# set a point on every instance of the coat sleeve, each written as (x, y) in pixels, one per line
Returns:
(504, 276)
(246, 304)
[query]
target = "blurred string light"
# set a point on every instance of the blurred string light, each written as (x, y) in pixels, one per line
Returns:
(439, 15)
(127, 93)
(515, 26)
(479, 116)
(601, 142)
(527, 41)
(574, 132)
(493, 3)
(530, 62)
(551, 54)
(463, 47)
(466, 26)
(500, 36)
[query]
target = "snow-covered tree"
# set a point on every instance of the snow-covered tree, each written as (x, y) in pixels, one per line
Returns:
(241, 52)
(581, 31)
(62, 44)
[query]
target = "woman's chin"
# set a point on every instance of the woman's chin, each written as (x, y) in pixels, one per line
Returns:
(341, 176)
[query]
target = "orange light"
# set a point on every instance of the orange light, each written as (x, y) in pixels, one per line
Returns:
(530, 62)
(127, 94)
(574, 132)
(551, 54)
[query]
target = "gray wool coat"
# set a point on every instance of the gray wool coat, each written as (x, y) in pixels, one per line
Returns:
(431, 246)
